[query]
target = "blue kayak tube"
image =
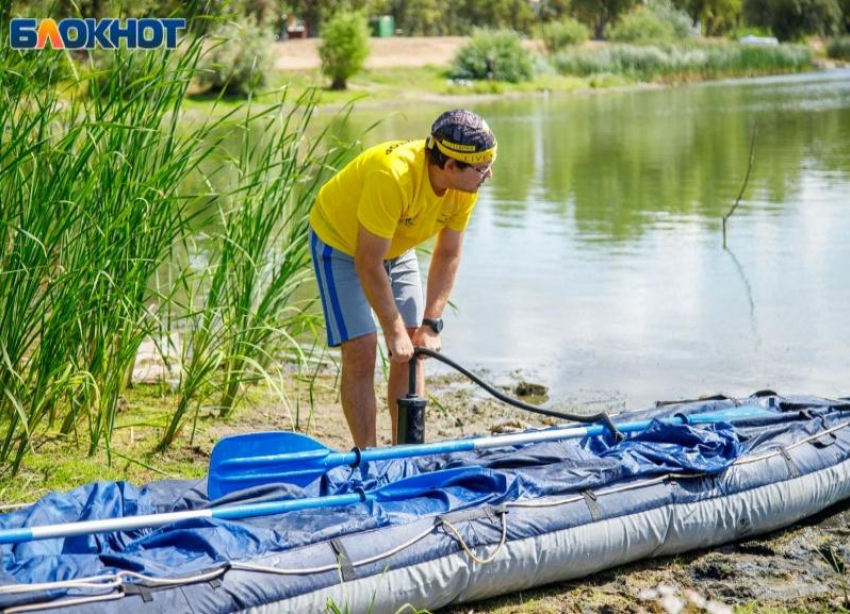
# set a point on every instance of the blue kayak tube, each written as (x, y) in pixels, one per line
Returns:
(460, 523)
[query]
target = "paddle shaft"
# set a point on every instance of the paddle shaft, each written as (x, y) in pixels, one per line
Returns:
(407, 488)
(152, 521)
(325, 459)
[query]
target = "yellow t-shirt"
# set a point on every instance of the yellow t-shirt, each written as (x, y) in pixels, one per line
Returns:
(386, 188)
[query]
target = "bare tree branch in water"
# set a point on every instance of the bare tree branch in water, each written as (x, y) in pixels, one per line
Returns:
(740, 269)
(743, 186)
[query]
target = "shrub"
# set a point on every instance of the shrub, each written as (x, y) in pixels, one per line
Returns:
(345, 47)
(496, 53)
(565, 33)
(839, 48)
(679, 20)
(240, 59)
(641, 26)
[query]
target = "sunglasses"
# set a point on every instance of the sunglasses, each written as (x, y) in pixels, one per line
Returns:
(482, 171)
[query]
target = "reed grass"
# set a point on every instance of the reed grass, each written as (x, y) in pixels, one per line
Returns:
(90, 211)
(96, 202)
(250, 314)
(683, 60)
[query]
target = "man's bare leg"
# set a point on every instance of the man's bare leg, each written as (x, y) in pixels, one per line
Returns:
(357, 388)
(398, 385)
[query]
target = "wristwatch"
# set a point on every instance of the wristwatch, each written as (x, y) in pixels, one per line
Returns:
(436, 325)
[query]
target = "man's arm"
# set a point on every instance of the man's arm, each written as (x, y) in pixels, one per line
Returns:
(369, 263)
(441, 277)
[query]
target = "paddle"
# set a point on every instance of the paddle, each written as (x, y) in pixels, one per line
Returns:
(253, 459)
(407, 488)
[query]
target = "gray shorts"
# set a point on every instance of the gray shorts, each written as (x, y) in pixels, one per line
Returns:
(348, 314)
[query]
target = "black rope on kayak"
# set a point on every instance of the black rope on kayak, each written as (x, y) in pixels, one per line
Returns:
(586, 419)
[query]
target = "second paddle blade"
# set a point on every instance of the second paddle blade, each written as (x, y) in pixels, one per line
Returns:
(257, 459)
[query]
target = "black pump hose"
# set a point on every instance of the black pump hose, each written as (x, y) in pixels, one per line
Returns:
(593, 418)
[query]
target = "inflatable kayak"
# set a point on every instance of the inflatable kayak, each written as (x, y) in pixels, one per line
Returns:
(434, 529)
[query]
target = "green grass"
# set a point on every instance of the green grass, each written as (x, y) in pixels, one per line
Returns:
(143, 414)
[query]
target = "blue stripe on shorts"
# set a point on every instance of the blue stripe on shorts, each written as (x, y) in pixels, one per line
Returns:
(329, 277)
(321, 283)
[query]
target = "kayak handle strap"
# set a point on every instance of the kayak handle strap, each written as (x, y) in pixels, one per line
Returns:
(602, 417)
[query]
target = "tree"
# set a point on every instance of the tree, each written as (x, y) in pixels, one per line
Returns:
(552, 10)
(514, 15)
(420, 17)
(715, 16)
(345, 47)
(599, 13)
(845, 10)
(790, 20)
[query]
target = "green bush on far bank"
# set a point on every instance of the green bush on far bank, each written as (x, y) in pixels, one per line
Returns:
(683, 61)
(655, 21)
(494, 54)
(839, 48)
(641, 26)
(568, 32)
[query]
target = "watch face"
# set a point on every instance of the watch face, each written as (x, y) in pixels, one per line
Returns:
(436, 325)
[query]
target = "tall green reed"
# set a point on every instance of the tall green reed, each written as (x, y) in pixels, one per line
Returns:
(91, 209)
(250, 313)
(93, 204)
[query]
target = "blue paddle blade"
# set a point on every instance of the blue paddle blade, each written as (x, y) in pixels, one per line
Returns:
(256, 459)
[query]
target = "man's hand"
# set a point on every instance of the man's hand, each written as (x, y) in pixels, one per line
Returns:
(399, 345)
(427, 338)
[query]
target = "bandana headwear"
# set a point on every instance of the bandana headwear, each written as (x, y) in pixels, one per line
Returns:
(463, 136)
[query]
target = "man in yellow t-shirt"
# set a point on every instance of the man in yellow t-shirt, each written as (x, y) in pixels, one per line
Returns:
(366, 221)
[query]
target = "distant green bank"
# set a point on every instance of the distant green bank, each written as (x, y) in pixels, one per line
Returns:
(574, 69)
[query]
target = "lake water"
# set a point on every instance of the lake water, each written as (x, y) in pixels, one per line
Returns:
(595, 261)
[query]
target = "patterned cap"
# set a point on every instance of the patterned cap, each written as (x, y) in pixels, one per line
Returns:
(464, 136)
